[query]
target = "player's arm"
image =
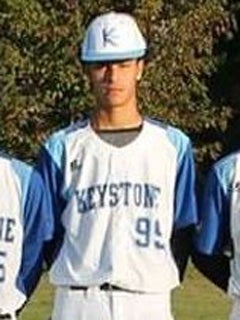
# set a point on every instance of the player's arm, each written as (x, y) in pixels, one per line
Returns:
(50, 165)
(37, 228)
(181, 244)
(213, 246)
(185, 211)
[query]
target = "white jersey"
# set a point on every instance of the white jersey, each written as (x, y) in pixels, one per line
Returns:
(234, 284)
(220, 215)
(23, 210)
(118, 205)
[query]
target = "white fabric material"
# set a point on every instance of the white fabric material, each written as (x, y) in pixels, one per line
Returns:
(94, 304)
(11, 235)
(119, 215)
(113, 36)
(234, 283)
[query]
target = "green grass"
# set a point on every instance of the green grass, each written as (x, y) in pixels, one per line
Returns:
(196, 299)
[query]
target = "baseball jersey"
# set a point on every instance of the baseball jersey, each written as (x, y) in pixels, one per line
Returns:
(25, 223)
(118, 205)
(220, 212)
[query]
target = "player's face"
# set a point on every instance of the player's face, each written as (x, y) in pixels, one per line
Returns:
(114, 83)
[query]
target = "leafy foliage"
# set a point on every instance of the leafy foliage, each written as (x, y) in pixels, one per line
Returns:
(191, 79)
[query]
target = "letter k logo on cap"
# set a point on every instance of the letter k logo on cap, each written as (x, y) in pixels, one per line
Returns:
(109, 37)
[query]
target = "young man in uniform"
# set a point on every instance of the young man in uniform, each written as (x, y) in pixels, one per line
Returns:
(121, 184)
(217, 245)
(25, 225)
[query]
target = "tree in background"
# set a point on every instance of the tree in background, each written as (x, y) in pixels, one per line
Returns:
(225, 82)
(191, 52)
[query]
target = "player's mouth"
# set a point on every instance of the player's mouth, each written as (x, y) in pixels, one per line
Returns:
(112, 90)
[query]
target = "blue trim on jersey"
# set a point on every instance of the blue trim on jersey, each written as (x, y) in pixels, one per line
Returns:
(214, 230)
(185, 199)
(50, 165)
(37, 228)
(185, 207)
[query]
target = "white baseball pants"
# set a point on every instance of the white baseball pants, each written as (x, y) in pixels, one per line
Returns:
(96, 304)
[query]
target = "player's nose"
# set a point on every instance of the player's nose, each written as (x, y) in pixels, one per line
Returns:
(111, 74)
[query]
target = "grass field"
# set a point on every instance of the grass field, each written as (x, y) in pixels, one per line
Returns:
(197, 299)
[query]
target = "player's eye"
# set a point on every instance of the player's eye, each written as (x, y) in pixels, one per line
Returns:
(98, 65)
(125, 64)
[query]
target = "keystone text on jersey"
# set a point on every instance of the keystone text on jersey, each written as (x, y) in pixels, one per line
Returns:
(7, 229)
(115, 194)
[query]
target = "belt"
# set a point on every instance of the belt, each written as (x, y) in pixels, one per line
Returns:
(104, 287)
(5, 317)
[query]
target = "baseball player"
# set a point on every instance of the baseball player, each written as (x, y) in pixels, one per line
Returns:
(217, 243)
(25, 223)
(121, 185)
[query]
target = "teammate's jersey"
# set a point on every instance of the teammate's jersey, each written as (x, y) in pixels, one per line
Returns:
(220, 213)
(118, 205)
(24, 225)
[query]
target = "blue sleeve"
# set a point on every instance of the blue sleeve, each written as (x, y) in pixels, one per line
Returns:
(37, 228)
(214, 229)
(185, 208)
(50, 165)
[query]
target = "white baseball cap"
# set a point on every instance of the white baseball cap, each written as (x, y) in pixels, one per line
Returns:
(113, 36)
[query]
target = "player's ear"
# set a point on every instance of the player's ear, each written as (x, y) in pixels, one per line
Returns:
(140, 65)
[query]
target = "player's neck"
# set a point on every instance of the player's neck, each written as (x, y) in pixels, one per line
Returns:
(103, 119)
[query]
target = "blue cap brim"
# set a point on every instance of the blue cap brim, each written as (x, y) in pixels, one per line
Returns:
(136, 54)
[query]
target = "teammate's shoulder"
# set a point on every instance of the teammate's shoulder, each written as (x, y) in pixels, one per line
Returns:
(223, 170)
(14, 163)
(5, 158)
(226, 163)
(22, 169)
(16, 170)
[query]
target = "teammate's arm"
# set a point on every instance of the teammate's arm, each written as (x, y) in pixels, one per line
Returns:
(213, 248)
(181, 245)
(38, 228)
(50, 163)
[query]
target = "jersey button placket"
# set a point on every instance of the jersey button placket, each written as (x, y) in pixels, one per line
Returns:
(118, 177)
